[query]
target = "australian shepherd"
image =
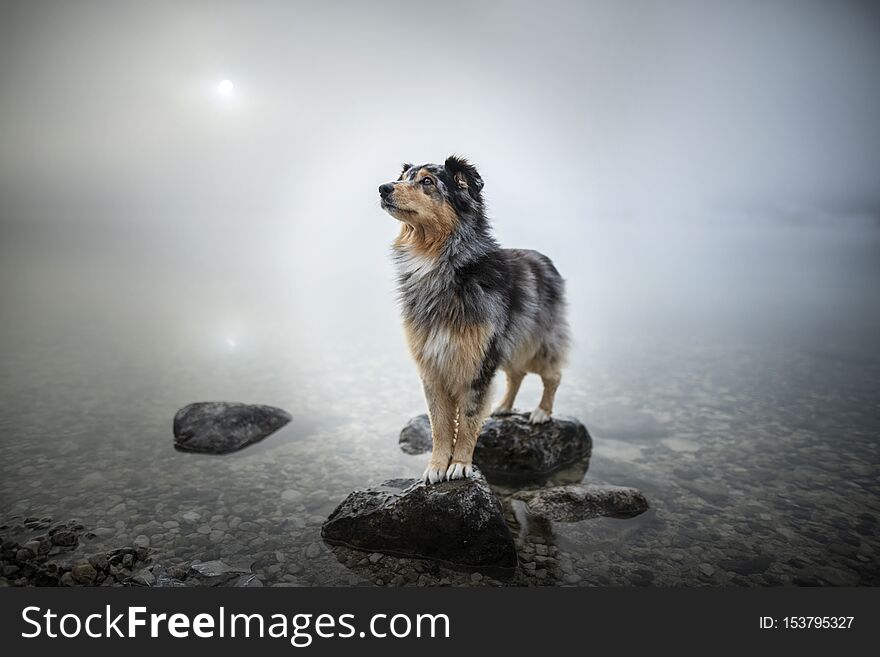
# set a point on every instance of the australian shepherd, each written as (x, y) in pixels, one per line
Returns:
(469, 308)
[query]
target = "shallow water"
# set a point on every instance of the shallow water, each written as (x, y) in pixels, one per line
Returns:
(734, 380)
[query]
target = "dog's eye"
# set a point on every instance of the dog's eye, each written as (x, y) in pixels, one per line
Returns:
(427, 181)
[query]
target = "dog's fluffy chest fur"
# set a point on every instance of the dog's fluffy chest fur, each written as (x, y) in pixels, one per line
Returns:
(447, 330)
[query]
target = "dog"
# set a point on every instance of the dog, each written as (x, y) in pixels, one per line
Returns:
(469, 308)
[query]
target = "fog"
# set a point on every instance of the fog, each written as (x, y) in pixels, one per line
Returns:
(705, 175)
(691, 167)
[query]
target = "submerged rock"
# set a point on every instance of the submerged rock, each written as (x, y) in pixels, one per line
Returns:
(84, 573)
(415, 437)
(220, 573)
(224, 427)
(247, 581)
(164, 580)
(584, 501)
(511, 448)
(459, 523)
(144, 577)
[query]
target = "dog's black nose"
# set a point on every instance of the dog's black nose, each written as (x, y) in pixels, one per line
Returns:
(386, 189)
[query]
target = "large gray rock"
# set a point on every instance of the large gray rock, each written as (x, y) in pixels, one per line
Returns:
(511, 448)
(224, 427)
(459, 523)
(584, 501)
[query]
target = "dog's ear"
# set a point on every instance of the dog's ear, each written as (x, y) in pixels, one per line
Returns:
(464, 174)
(406, 166)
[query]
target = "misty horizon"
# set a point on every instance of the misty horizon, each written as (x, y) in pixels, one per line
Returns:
(595, 111)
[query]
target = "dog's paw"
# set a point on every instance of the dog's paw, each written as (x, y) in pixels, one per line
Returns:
(458, 470)
(434, 473)
(502, 410)
(539, 416)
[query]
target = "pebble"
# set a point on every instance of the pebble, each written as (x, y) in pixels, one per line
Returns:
(84, 573)
(144, 577)
(292, 495)
(103, 532)
(64, 538)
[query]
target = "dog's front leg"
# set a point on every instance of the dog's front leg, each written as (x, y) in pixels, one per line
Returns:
(470, 423)
(442, 412)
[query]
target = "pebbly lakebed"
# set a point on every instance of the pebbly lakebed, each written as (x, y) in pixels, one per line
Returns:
(746, 486)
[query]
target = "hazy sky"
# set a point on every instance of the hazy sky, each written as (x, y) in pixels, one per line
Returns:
(110, 111)
(679, 161)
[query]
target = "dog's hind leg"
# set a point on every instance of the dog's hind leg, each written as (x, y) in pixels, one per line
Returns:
(470, 423)
(442, 412)
(551, 381)
(514, 380)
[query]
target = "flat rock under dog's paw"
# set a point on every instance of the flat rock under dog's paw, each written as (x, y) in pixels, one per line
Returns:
(459, 523)
(510, 446)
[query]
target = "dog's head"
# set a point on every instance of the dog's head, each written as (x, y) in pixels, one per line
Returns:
(434, 197)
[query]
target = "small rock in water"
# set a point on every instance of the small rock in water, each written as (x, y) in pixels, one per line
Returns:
(84, 573)
(292, 495)
(64, 538)
(247, 581)
(24, 554)
(415, 437)
(216, 568)
(456, 522)
(103, 532)
(144, 577)
(164, 580)
(224, 427)
(510, 447)
(219, 573)
(581, 502)
(99, 561)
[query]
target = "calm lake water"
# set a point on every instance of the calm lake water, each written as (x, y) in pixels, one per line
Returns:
(730, 370)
